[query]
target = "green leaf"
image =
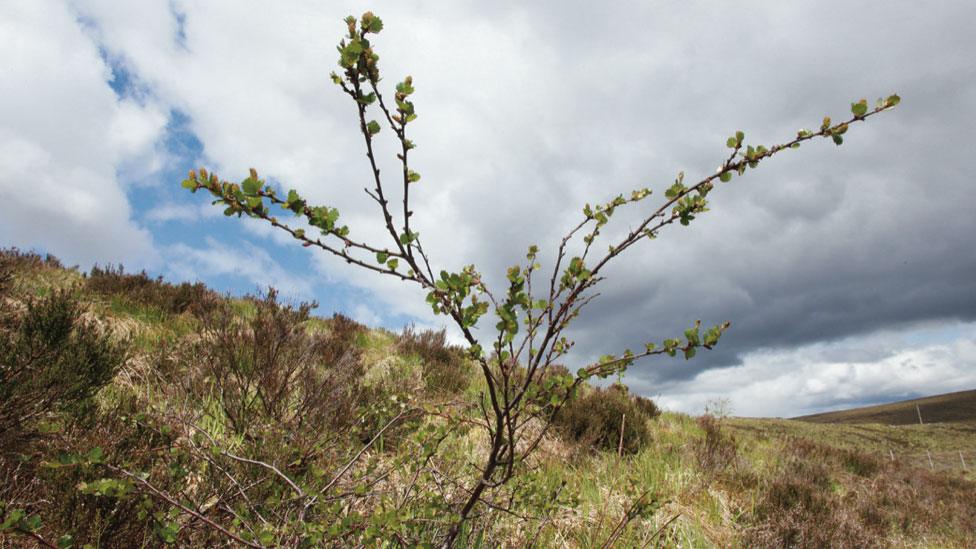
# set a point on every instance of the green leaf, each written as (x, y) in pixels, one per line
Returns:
(838, 139)
(355, 47)
(408, 237)
(892, 100)
(32, 523)
(413, 176)
(381, 257)
(65, 541)
(405, 87)
(251, 186)
(405, 106)
(297, 207)
(12, 518)
(674, 190)
(393, 263)
(731, 142)
(725, 177)
(373, 127)
(860, 108)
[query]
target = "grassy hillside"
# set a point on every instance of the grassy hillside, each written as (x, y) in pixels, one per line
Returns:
(957, 407)
(166, 412)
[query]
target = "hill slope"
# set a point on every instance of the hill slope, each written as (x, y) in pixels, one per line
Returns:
(957, 407)
(366, 435)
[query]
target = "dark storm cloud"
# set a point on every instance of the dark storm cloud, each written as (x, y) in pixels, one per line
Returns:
(828, 243)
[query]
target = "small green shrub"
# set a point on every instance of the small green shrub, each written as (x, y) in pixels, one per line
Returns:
(51, 361)
(444, 368)
(595, 419)
(141, 289)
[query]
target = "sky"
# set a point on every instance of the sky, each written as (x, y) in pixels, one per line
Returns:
(848, 273)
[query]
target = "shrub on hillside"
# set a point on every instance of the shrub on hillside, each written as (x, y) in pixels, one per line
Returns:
(6, 275)
(50, 361)
(141, 289)
(800, 506)
(444, 368)
(797, 506)
(269, 373)
(717, 449)
(59, 491)
(17, 258)
(595, 419)
(13, 260)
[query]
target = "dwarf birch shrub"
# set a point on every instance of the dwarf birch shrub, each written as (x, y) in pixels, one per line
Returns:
(529, 314)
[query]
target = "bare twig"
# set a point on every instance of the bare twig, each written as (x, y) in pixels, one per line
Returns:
(624, 521)
(169, 499)
(359, 454)
(661, 529)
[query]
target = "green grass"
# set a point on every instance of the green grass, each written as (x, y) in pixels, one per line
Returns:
(694, 506)
(910, 443)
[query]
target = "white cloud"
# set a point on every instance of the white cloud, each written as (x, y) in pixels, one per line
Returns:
(188, 213)
(134, 133)
(881, 367)
(64, 135)
(241, 260)
(364, 315)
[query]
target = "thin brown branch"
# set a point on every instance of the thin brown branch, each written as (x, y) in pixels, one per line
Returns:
(169, 499)
(359, 454)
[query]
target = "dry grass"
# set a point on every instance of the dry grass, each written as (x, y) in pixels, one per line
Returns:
(707, 482)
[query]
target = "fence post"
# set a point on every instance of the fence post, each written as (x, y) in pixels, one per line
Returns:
(919, 412)
(931, 465)
(620, 445)
(963, 460)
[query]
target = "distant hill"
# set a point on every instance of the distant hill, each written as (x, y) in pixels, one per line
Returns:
(948, 408)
